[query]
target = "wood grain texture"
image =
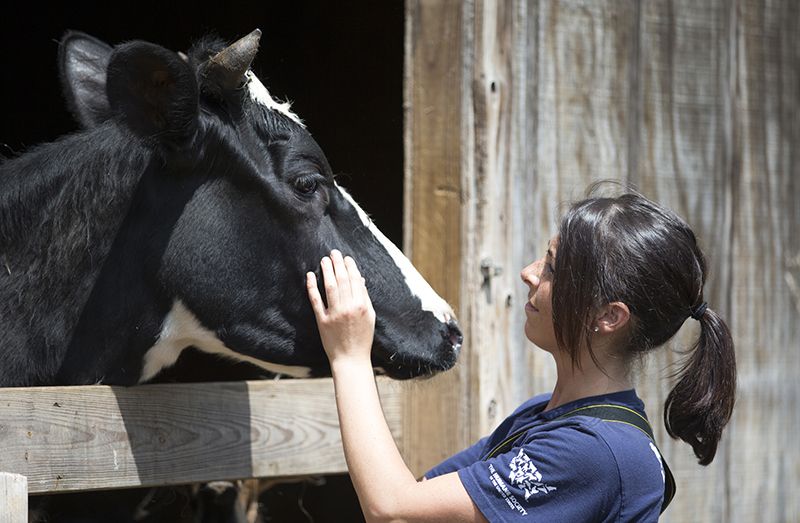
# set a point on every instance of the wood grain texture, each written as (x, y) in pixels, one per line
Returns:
(765, 237)
(688, 162)
(433, 120)
(717, 124)
(99, 437)
(550, 90)
(577, 127)
(697, 104)
(13, 498)
(498, 210)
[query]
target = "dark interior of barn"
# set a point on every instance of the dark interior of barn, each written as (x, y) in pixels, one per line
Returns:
(340, 63)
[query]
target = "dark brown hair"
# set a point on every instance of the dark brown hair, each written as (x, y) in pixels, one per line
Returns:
(631, 250)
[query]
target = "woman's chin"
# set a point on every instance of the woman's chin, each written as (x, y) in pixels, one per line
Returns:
(537, 340)
(543, 349)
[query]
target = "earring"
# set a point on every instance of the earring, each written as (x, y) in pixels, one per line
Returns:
(596, 328)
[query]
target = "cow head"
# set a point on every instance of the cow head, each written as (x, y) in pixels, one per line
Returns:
(240, 204)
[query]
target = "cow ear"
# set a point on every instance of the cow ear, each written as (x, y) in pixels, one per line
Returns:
(154, 92)
(82, 62)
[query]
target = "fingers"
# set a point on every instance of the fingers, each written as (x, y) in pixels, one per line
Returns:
(342, 276)
(342, 281)
(329, 280)
(365, 293)
(314, 296)
(356, 281)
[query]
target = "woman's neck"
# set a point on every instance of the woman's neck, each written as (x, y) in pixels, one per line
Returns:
(574, 383)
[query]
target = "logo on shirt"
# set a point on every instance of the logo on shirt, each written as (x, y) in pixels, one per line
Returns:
(526, 476)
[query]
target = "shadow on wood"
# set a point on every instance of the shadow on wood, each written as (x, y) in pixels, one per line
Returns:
(98, 437)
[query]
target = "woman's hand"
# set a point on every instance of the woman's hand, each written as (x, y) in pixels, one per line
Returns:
(347, 325)
(388, 492)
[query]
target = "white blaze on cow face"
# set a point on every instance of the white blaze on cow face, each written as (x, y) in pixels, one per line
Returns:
(420, 288)
(181, 329)
(260, 95)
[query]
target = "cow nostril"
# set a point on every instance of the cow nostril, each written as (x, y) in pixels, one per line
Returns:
(454, 335)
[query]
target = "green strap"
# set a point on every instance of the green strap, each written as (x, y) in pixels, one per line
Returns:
(605, 412)
(618, 413)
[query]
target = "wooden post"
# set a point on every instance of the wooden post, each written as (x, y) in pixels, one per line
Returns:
(435, 422)
(13, 498)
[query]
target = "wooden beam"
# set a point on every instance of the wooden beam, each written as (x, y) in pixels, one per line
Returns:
(502, 212)
(435, 423)
(99, 437)
(13, 498)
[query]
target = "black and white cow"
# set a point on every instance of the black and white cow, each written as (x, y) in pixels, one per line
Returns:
(186, 214)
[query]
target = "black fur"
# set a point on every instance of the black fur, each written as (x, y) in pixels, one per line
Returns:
(180, 195)
(82, 61)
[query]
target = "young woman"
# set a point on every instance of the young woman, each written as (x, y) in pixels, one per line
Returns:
(618, 280)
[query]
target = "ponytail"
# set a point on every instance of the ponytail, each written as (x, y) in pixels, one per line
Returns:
(701, 404)
(628, 249)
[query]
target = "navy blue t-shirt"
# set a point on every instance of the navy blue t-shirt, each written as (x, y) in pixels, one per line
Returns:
(574, 469)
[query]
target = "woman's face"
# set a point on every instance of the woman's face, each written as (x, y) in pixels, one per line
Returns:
(538, 276)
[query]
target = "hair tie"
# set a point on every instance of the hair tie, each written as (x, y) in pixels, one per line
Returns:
(697, 312)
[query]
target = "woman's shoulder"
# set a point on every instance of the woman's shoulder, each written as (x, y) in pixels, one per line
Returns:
(618, 462)
(574, 441)
(641, 470)
(616, 449)
(632, 451)
(568, 468)
(620, 454)
(617, 441)
(578, 434)
(561, 471)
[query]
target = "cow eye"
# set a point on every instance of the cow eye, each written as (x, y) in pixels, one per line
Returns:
(306, 185)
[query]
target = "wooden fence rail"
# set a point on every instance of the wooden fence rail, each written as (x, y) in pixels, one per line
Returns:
(63, 439)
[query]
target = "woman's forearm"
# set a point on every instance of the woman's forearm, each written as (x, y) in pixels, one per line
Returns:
(380, 476)
(386, 488)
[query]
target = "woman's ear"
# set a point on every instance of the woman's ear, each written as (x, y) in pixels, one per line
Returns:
(611, 318)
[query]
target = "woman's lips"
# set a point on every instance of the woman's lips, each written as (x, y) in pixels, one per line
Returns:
(530, 307)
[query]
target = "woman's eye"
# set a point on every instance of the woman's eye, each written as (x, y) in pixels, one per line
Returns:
(306, 185)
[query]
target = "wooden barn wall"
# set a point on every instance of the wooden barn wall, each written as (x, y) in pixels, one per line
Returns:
(514, 107)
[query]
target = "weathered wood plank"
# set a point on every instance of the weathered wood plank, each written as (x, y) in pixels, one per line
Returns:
(99, 437)
(717, 126)
(492, 147)
(698, 105)
(587, 54)
(13, 498)
(582, 101)
(686, 162)
(766, 238)
(500, 207)
(433, 230)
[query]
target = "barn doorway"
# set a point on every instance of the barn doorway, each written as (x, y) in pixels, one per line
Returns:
(340, 63)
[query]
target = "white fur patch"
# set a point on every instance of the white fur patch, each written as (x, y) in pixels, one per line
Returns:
(182, 329)
(420, 288)
(259, 94)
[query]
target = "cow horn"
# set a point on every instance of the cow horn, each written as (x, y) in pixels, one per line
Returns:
(227, 68)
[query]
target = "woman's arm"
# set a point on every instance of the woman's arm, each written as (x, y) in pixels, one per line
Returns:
(386, 488)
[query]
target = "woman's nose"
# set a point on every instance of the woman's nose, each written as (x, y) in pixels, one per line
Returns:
(530, 274)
